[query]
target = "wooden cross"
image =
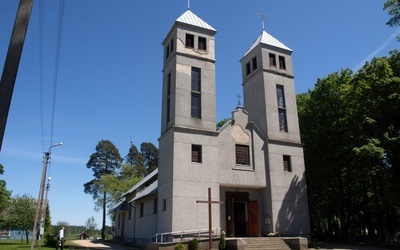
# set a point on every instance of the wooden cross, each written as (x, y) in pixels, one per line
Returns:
(210, 202)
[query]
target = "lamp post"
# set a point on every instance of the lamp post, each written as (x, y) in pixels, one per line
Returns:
(39, 207)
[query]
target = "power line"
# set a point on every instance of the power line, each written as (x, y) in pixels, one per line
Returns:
(56, 67)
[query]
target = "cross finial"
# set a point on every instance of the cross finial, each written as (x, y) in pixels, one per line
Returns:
(262, 15)
(238, 97)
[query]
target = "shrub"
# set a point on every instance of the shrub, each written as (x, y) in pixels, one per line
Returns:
(179, 246)
(222, 242)
(195, 244)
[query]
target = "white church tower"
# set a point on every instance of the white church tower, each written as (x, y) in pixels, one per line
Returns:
(188, 132)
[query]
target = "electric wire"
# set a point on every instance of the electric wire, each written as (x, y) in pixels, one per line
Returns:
(41, 70)
(56, 67)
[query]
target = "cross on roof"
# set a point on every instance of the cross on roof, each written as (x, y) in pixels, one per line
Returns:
(238, 97)
(262, 15)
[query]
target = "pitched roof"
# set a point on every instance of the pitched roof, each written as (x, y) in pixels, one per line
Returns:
(152, 188)
(143, 181)
(265, 38)
(190, 18)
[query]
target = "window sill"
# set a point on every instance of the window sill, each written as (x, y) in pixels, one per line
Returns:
(243, 168)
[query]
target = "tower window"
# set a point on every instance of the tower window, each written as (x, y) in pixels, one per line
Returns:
(280, 94)
(168, 97)
(254, 62)
(272, 60)
(164, 205)
(196, 93)
(248, 69)
(242, 154)
(171, 46)
(202, 43)
(196, 153)
(189, 41)
(287, 164)
(167, 52)
(282, 63)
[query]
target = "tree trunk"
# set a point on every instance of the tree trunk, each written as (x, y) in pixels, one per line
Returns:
(103, 228)
(27, 236)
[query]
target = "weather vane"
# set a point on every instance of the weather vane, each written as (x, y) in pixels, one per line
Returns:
(262, 15)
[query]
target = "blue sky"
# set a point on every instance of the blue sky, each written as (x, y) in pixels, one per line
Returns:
(110, 72)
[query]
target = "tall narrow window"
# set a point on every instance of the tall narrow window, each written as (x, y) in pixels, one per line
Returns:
(280, 94)
(196, 153)
(272, 60)
(189, 41)
(242, 154)
(168, 97)
(282, 63)
(141, 209)
(155, 206)
(196, 93)
(202, 43)
(254, 62)
(164, 205)
(287, 164)
(130, 211)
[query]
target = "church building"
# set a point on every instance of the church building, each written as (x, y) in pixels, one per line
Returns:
(253, 164)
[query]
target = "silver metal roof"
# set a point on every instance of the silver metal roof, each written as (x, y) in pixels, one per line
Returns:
(267, 39)
(190, 18)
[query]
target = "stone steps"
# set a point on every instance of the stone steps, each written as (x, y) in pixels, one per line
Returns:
(266, 243)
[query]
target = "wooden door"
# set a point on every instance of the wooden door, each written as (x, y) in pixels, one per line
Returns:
(253, 219)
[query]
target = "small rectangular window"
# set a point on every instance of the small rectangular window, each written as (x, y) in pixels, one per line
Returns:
(196, 105)
(248, 69)
(196, 153)
(202, 43)
(287, 165)
(164, 205)
(189, 41)
(242, 154)
(254, 62)
(155, 206)
(141, 209)
(171, 46)
(272, 60)
(282, 63)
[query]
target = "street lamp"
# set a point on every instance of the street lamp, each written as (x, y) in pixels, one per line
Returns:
(39, 207)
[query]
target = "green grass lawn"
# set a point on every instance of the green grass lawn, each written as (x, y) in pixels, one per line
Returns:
(17, 244)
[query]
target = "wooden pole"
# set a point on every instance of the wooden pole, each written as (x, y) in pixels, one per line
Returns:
(11, 63)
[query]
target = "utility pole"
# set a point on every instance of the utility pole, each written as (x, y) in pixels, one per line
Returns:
(11, 63)
(39, 206)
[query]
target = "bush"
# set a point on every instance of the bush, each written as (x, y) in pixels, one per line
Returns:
(222, 242)
(49, 240)
(179, 246)
(195, 244)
